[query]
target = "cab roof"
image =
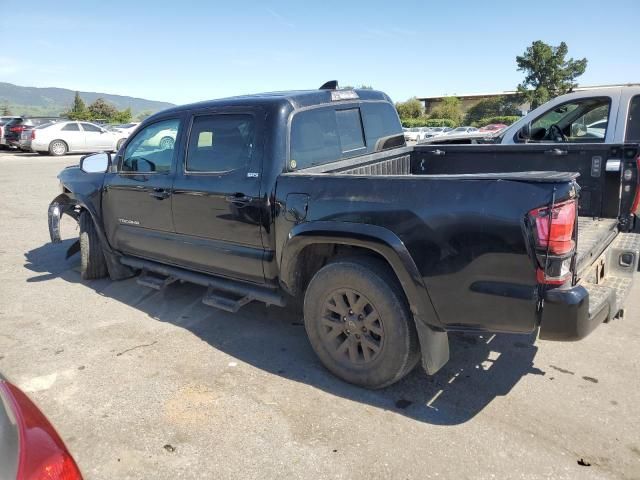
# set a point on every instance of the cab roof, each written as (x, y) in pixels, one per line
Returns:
(295, 98)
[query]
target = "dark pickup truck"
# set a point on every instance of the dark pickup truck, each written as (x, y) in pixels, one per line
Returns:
(314, 196)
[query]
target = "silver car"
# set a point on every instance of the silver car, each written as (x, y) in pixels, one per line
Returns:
(70, 137)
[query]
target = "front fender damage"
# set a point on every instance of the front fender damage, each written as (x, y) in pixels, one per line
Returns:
(62, 205)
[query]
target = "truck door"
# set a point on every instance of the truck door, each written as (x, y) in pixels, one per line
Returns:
(136, 200)
(216, 199)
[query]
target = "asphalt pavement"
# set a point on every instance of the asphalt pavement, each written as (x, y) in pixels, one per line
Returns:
(146, 384)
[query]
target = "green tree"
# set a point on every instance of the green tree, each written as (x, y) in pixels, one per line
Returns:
(412, 108)
(449, 107)
(144, 114)
(547, 72)
(123, 116)
(492, 107)
(78, 110)
(101, 110)
(5, 109)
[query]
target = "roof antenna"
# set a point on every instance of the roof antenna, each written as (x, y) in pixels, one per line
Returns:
(330, 85)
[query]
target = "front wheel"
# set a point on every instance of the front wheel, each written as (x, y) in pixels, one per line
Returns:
(359, 323)
(92, 262)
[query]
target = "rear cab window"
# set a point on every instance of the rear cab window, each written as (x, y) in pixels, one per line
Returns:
(632, 134)
(329, 133)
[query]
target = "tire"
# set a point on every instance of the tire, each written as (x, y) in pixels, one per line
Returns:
(119, 144)
(92, 262)
(58, 148)
(166, 143)
(378, 324)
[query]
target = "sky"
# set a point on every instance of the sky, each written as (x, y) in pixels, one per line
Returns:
(186, 51)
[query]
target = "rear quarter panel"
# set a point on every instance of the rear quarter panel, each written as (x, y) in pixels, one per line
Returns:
(466, 237)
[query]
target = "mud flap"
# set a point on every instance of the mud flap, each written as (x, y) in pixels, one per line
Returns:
(434, 346)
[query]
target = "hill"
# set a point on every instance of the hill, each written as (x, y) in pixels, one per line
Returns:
(53, 101)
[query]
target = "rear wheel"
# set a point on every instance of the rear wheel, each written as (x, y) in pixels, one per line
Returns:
(359, 323)
(58, 148)
(92, 262)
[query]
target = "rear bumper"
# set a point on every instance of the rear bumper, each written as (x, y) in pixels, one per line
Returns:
(567, 315)
(573, 313)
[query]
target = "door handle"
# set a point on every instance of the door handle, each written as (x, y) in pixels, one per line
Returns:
(438, 152)
(238, 199)
(160, 193)
(557, 152)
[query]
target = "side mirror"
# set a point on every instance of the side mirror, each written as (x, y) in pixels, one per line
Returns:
(95, 163)
(525, 131)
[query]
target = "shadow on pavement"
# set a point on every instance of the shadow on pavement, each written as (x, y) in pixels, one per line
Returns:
(273, 339)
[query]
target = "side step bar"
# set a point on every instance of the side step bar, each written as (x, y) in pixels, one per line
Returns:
(245, 291)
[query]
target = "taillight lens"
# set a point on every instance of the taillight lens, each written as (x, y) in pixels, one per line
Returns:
(636, 198)
(42, 453)
(33, 134)
(555, 233)
(17, 129)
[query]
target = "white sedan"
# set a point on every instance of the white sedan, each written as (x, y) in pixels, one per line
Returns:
(67, 137)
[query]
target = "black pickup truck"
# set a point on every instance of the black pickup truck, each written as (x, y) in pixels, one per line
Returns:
(314, 196)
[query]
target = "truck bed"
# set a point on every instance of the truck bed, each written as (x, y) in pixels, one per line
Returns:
(594, 235)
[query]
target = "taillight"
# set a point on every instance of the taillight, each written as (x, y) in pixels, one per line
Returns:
(42, 454)
(554, 227)
(553, 234)
(17, 129)
(636, 198)
(33, 134)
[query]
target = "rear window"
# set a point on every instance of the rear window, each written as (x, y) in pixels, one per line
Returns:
(324, 135)
(633, 121)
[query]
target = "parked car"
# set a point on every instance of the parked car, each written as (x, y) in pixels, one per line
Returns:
(462, 130)
(4, 121)
(30, 447)
(387, 266)
(126, 128)
(27, 135)
(597, 129)
(61, 138)
(493, 127)
(17, 126)
(412, 134)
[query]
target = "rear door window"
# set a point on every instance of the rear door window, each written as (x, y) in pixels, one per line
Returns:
(633, 121)
(71, 127)
(220, 143)
(88, 127)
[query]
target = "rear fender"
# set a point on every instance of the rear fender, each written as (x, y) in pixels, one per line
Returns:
(434, 341)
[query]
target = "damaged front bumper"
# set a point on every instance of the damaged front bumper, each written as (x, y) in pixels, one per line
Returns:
(61, 205)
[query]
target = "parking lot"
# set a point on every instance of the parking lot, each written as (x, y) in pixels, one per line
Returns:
(143, 384)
